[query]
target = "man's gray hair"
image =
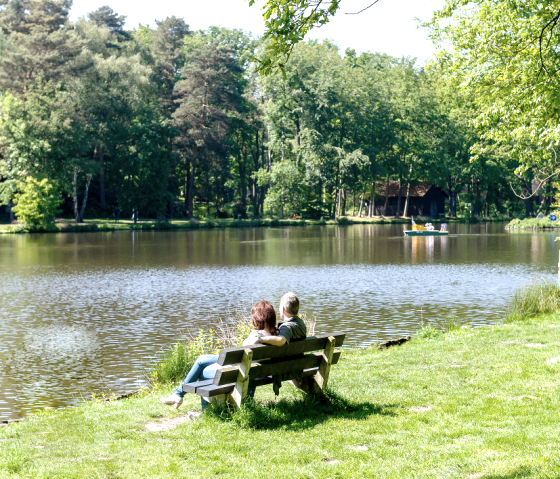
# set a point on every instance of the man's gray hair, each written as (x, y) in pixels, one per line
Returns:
(291, 303)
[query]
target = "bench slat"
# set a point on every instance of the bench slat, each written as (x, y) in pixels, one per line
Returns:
(215, 390)
(269, 368)
(261, 351)
(192, 387)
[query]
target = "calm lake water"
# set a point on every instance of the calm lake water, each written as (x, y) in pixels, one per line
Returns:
(83, 313)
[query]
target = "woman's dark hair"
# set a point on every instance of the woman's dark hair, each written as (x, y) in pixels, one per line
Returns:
(264, 316)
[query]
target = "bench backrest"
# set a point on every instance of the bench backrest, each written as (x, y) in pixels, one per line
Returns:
(262, 351)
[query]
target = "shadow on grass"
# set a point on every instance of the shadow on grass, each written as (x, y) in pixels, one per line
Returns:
(298, 413)
(519, 472)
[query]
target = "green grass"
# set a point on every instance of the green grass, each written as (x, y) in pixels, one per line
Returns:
(469, 403)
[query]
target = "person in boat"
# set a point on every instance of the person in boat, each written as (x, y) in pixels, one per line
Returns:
(264, 331)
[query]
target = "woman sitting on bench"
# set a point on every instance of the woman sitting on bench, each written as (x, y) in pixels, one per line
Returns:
(263, 318)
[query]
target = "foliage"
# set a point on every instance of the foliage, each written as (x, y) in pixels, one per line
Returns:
(287, 22)
(37, 203)
(177, 123)
(504, 54)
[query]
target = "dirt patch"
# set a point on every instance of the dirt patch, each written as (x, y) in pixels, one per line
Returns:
(168, 424)
(359, 448)
(525, 396)
(457, 366)
(534, 345)
(553, 360)
(474, 475)
(420, 408)
(332, 461)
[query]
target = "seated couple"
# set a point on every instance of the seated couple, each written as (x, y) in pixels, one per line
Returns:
(265, 331)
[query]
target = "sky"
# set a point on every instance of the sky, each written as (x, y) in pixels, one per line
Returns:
(387, 27)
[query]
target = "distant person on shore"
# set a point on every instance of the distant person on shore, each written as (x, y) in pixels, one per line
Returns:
(265, 331)
(134, 215)
(116, 213)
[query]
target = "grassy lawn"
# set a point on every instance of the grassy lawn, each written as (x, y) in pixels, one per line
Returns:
(470, 403)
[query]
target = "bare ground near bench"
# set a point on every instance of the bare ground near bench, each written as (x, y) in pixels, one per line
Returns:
(469, 403)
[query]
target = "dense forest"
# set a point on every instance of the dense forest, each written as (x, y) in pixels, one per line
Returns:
(180, 123)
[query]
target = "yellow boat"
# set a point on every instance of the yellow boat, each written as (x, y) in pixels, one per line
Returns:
(428, 230)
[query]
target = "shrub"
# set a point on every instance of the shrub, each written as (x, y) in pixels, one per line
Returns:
(37, 203)
(542, 296)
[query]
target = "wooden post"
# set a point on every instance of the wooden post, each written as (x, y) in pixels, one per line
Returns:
(322, 376)
(218, 400)
(240, 390)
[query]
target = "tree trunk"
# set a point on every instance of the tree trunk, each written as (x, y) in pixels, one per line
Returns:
(343, 202)
(84, 201)
(407, 201)
(353, 203)
(187, 182)
(101, 178)
(361, 206)
(399, 199)
(452, 203)
(190, 192)
(243, 174)
(170, 207)
(478, 202)
(372, 201)
(297, 141)
(528, 208)
(386, 196)
(75, 196)
(254, 186)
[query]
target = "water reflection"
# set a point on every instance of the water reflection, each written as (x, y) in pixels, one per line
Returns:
(80, 313)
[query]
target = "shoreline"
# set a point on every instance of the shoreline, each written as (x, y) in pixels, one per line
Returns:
(468, 401)
(533, 224)
(99, 225)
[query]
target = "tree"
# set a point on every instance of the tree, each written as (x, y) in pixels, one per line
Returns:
(205, 95)
(38, 42)
(37, 203)
(504, 54)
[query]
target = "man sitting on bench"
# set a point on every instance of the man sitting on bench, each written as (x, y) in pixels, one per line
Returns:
(292, 328)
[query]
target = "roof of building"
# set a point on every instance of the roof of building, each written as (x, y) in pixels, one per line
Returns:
(418, 190)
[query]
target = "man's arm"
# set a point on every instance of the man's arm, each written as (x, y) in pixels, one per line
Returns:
(272, 340)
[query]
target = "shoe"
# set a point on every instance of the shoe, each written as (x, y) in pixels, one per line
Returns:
(172, 400)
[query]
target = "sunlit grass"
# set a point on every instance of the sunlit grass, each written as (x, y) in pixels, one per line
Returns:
(463, 404)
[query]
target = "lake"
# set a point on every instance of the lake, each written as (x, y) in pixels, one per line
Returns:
(83, 313)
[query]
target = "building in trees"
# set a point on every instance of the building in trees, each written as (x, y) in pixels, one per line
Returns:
(425, 199)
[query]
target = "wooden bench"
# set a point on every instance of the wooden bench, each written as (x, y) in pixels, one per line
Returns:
(253, 366)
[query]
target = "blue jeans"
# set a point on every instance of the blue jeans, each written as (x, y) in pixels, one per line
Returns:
(204, 367)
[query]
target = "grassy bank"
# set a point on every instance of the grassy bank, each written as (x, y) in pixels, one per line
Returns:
(98, 225)
(533, 224)
(470, 403)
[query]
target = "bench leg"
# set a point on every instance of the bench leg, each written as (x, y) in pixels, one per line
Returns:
(315, 385)
(322, 376)
(240, 390)
(307, 385)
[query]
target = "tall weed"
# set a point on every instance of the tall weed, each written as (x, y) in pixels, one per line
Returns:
(541, 296)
